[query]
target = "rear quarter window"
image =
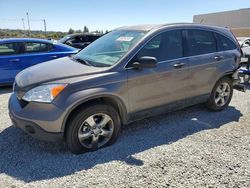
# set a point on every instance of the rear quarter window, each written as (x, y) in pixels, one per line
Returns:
(225, 43)
(34, 47)
(200, 42)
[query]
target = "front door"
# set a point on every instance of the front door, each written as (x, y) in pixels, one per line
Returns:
(153, 87)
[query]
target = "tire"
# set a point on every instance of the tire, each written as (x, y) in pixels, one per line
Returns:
(84, 129)
(215, 101)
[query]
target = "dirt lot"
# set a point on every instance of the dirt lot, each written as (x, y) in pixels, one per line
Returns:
(188, 148)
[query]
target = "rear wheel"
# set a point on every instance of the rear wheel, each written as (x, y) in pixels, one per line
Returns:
(92, 128)
(221, 95)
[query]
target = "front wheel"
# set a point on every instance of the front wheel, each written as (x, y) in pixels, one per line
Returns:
(221, 95)
(92, 128)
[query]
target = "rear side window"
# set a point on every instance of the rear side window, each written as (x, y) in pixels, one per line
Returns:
(200, 42)
(224, 43)
(80, 39)
(76, 39)
(165, 46)
(91, 38)
(33, 47)
(11, 48)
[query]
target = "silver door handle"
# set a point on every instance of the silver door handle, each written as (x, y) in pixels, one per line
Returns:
(217, 58)
(14, 60)
(179, 65)
(53, 56)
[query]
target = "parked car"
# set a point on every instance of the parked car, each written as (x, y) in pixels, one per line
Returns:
(244, 41)
(245, 46)
(79, 40)
(130, 73)
(18, 54)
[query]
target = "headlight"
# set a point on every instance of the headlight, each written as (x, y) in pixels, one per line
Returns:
(44, 93)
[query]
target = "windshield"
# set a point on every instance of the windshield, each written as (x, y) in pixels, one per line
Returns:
(109, 49)
(62, 40)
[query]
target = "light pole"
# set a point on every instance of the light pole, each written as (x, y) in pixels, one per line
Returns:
(44, 23)
(23, 26)
(28, 19)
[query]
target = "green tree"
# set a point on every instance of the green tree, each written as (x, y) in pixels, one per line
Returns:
(71, 31)
(78, 31)
(55, 36)
(85, 29)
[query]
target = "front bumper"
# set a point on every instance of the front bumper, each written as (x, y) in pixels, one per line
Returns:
(42, 121)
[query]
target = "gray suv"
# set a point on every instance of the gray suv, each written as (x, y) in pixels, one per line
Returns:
(129, 74)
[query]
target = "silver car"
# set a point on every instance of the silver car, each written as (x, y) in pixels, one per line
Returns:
(130, 73)
(244, 43)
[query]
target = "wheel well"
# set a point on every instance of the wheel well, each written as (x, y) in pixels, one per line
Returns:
(107, 100)
(228, 75)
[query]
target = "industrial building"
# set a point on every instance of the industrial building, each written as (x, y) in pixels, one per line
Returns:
(237, 20)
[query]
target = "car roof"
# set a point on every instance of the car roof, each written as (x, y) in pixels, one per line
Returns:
(148, 27)
(26, 40)
(37, 40)
(83, 34)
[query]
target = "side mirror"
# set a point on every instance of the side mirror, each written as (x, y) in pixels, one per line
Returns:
(145, 62)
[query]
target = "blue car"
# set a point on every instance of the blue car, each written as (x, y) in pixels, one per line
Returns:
(20, 53)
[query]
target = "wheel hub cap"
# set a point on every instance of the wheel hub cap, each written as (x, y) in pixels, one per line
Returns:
(222, 94)
(96, 130)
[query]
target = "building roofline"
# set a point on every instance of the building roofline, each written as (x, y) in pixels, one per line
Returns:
(227, 11)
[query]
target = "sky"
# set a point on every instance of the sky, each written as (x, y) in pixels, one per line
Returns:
(60, 15)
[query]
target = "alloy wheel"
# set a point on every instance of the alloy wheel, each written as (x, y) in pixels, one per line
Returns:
(222, 94)
(96, 131)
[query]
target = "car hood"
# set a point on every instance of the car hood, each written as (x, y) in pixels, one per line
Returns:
(62, 68)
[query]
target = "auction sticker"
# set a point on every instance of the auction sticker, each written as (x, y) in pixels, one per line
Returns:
(125, 39)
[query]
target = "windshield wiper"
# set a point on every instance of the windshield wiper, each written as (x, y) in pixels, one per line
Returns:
(88, 62)
(82, 61)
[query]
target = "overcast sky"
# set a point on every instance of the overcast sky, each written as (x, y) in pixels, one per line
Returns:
(61, 15)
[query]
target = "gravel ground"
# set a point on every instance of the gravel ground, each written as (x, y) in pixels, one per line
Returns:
(187, 148)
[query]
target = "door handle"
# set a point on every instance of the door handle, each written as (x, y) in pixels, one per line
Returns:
(217, 58)
(179, 65)
(53, 56)
(14, 60)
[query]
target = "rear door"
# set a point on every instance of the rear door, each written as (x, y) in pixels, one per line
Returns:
(227, 50)
(203, 61)
(37, 52)
(166, 83)
(10, 60)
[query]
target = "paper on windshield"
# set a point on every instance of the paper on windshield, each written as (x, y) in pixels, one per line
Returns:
(125, 39)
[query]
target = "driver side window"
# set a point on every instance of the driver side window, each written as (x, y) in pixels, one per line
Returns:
(163, 47)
